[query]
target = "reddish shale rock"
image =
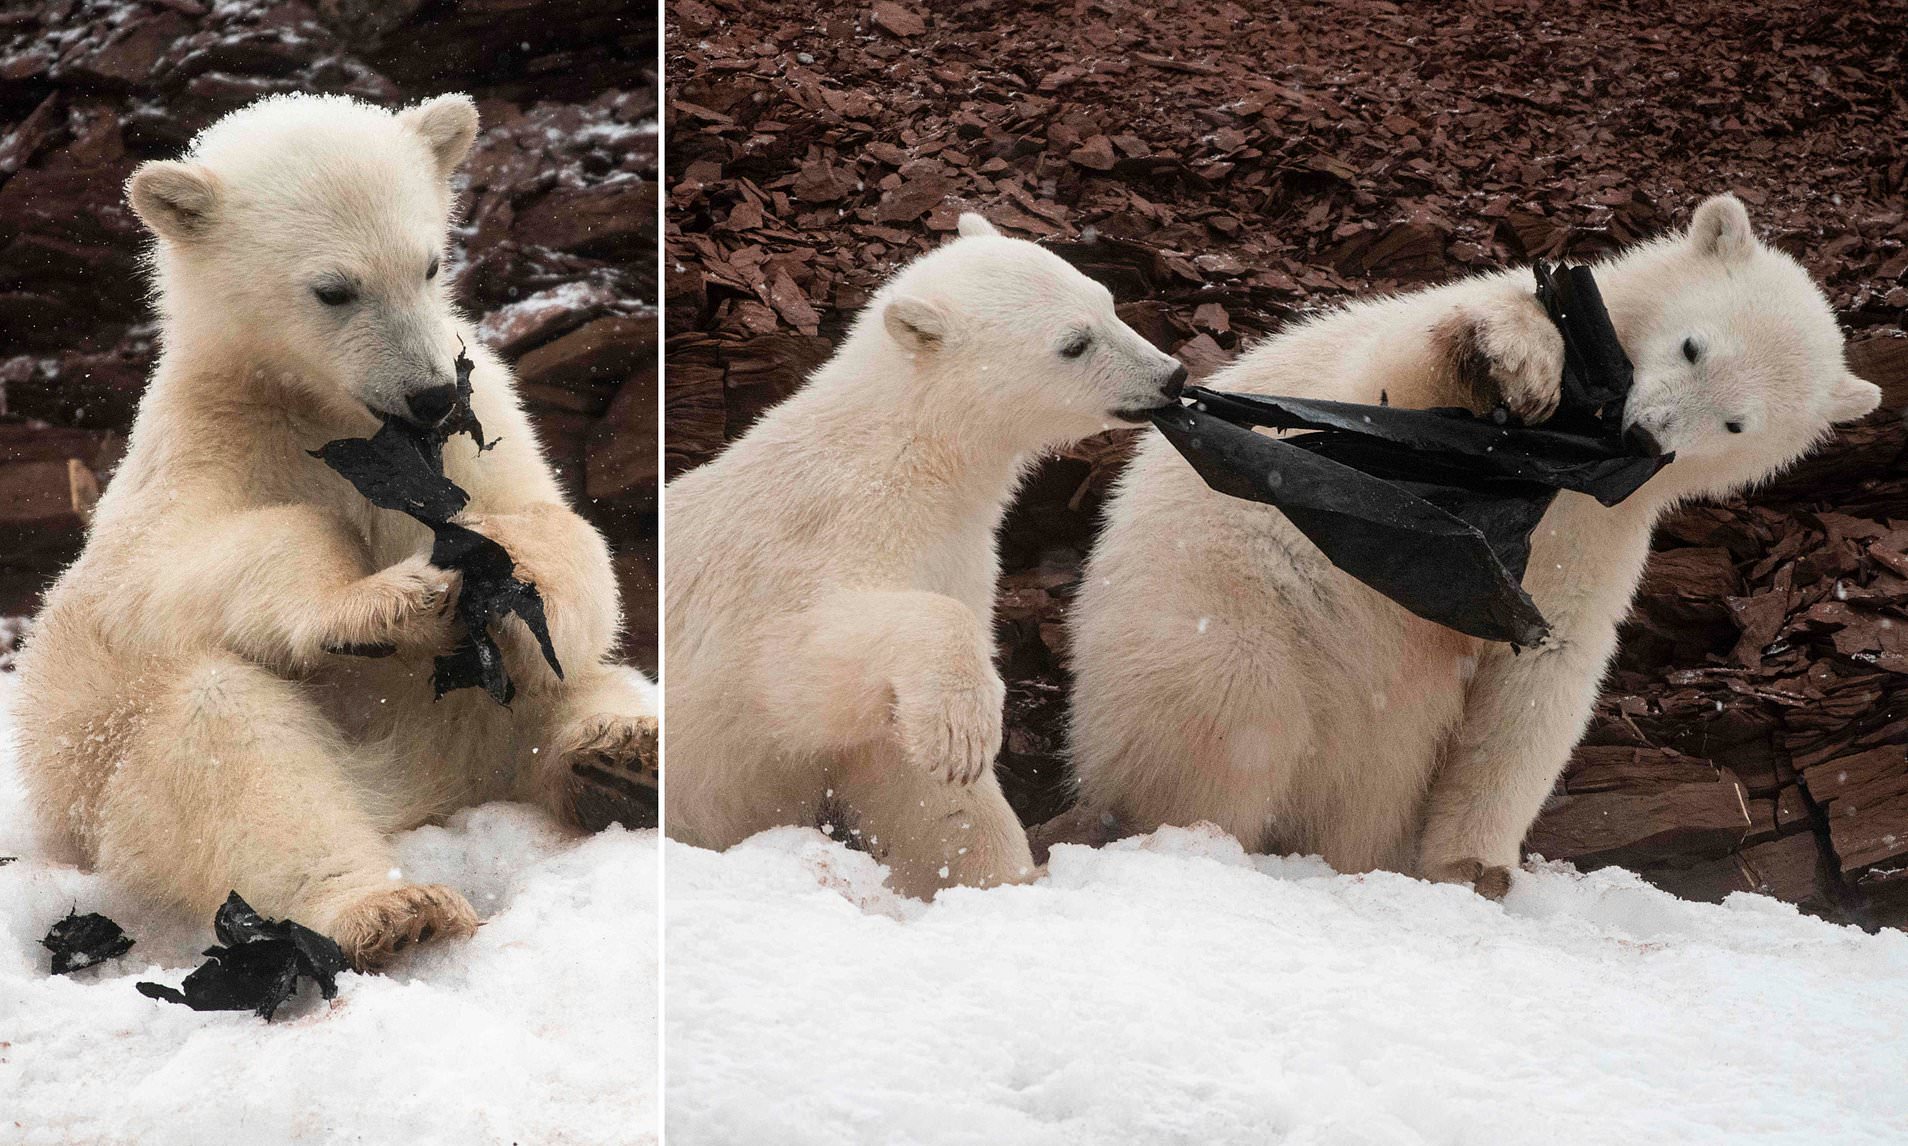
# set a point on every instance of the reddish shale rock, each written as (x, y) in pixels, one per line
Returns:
(1223, 169)
(1635, 807)
(559, 258)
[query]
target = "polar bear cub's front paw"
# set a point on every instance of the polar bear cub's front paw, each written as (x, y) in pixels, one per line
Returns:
(1492, 881)
(406, 606)
(951, 728)
(1522, 354)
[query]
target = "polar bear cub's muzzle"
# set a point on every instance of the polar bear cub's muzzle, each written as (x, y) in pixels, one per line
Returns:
(1138, 376)
(1169, 382)
(404, 369)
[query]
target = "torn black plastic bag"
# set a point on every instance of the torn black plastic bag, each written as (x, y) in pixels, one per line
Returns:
(401, 467)
(1433, 508)
(81, 941)
(1597, 373)
(257, 965)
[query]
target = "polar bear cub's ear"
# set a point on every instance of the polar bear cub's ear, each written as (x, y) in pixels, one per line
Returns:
(915, 323)
(448, 124)
(1720, 227)
(1852, 398)
(973, 226)
(176, 201)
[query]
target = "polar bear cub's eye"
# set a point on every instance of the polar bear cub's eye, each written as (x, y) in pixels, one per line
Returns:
(1076, 344)
(1691, 351)
(431, 271)
(334, 293)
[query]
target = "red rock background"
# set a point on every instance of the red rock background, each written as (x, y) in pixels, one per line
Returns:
(1223, 168)
(557, 253)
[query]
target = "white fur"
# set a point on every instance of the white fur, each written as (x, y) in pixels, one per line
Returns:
(830, 578)
(183, 723)
(1226, 672)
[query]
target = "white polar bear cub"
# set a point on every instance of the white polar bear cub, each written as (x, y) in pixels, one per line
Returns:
(189, 720)
(830, 578)
(1225, 671)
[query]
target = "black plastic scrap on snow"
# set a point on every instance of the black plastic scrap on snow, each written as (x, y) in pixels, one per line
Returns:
(1434, 508)
(401, 467)
(257, 965)
(80, 941)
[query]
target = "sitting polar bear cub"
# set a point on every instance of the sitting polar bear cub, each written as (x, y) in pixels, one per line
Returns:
(830, 578)
(185, 720)
(1225, 671)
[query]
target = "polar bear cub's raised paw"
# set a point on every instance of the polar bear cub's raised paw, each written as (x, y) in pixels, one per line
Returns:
(1515, 352)
(952, 730)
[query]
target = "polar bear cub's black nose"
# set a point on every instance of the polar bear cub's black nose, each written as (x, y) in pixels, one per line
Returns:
(429, 407)
(1639, 438)
(1175, 382)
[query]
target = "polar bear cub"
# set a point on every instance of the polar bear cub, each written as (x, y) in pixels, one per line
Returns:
(191, 722)
(830, 578)
(1225, 671)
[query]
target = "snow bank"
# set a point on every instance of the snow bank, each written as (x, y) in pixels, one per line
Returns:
(1172, 989)
(542, 1029)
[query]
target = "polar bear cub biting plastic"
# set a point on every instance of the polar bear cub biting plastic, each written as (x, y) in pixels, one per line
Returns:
(1225, 671)
(191, 721)
(830, 578)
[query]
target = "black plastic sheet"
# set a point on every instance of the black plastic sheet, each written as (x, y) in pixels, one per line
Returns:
(257, 965)
(80, 941)
(401, 467)
(1434, 508)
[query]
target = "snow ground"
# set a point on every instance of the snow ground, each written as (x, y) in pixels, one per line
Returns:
(542, 1029)
(1172, 989)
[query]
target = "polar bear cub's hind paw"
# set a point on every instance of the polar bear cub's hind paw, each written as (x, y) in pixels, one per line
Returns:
(376, 929)
(611, 773)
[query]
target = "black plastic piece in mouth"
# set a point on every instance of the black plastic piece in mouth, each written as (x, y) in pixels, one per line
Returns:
(401, 467)
(1140, 415)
